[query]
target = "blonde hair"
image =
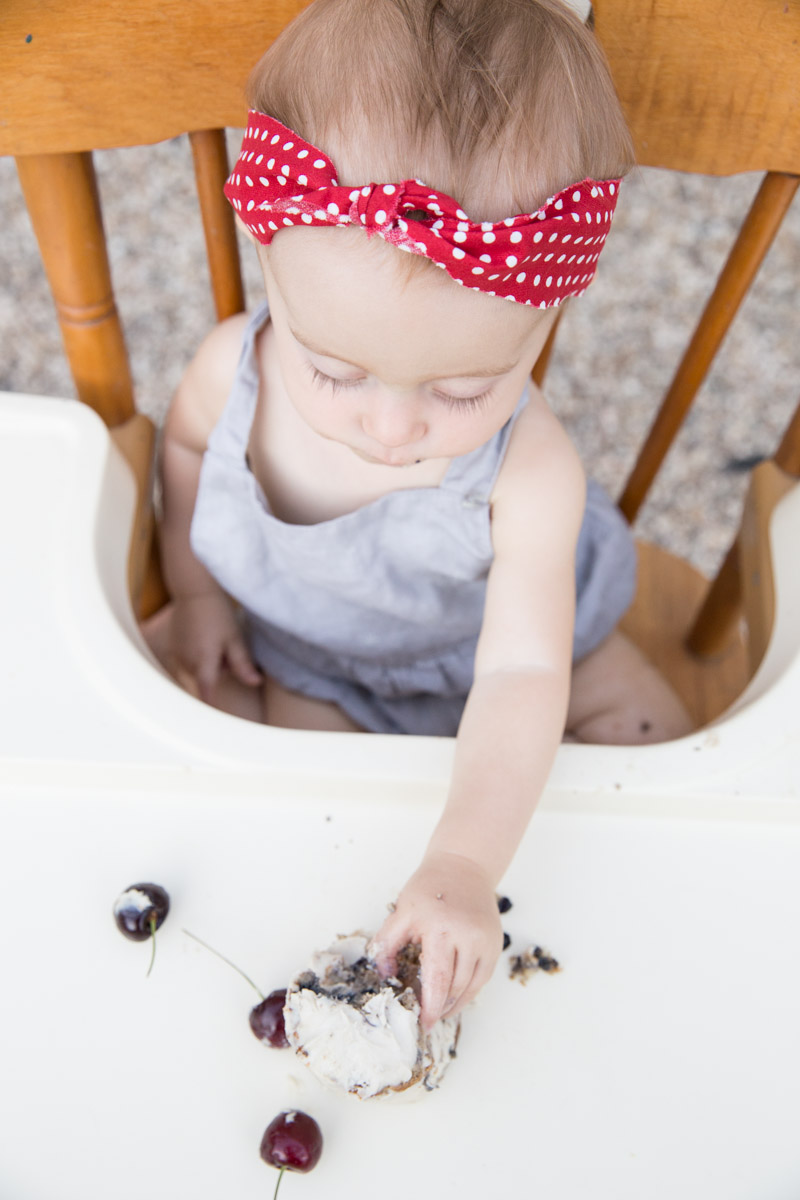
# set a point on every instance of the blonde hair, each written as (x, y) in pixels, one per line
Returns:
(498, 103)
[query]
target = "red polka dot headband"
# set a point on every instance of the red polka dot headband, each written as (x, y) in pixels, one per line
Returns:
(536, 258)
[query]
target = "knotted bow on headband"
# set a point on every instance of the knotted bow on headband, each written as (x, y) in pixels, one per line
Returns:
(536, 258)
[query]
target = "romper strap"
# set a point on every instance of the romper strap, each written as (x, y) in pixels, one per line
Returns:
(232, 432)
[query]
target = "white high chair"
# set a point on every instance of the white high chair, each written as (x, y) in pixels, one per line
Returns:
(661, 1060)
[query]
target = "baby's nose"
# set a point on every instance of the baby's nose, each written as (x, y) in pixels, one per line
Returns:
(393, 421)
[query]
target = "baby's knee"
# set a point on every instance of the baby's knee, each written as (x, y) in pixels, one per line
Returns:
(619, 698)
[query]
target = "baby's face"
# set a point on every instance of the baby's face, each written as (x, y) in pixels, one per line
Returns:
(396, 371)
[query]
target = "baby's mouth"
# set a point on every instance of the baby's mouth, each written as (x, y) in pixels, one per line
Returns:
(382, 462)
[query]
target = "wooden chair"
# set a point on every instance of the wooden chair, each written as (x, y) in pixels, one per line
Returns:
(715, 89)
(94, 75)
(709, 88)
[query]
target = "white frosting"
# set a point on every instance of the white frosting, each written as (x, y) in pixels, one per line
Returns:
(369, 1050)
(135, 899)
(439, 1047)
(363, 1050)
(347, 950)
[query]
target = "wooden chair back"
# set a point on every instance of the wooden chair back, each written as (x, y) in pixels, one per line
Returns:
(91, 75)
(711, 88)
(714, 88)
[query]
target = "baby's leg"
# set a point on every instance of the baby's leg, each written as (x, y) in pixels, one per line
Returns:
(291, 710)
(619, 698)
(270, 704)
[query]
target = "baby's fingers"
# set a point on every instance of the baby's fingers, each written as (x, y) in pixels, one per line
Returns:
(207, 675)
(438, 977)
(466, 985)
(393, 935)
(241, 664)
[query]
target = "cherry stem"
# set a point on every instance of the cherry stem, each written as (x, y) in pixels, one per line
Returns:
(152, 924)
(278, 1184)
(206, 946)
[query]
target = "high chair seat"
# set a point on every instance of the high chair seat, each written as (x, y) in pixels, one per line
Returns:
(669, 595)
(76, 497)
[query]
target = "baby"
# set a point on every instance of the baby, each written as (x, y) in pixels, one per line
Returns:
(372, 520)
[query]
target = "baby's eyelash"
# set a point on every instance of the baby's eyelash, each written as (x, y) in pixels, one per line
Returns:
(469, 403)
(324, 380)
(466, 403)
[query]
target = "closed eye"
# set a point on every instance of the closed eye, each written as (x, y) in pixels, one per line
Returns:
(323, 380)
(466, 403)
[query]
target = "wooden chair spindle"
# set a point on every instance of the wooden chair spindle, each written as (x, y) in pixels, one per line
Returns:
(64, 206)
(211, 170)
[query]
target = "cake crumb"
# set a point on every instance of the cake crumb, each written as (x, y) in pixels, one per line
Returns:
(522, 966)
(408, 967)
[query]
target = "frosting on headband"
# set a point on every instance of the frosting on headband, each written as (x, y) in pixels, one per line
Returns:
(536, 258)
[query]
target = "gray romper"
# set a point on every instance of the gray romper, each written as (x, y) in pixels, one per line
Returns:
(379, 610)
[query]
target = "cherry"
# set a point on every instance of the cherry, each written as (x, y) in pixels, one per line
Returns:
(139, 911)
(266, 1017)
(138, 908)
(266, 1020)
(292, 1142)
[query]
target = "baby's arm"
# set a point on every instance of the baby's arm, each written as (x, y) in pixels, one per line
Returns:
(203, 631)
(512, 723)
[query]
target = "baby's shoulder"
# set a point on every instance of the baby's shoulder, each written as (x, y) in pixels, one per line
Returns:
(541, 473)
(205, 385)
(540, 455)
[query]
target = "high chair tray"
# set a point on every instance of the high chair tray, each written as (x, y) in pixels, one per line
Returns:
(663, 1058)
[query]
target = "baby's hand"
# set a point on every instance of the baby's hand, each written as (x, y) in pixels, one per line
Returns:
(449, 907)
(204, 638)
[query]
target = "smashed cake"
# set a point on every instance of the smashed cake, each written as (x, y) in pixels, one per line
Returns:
(360, 1033)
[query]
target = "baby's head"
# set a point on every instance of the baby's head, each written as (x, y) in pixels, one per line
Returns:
(497, 105)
